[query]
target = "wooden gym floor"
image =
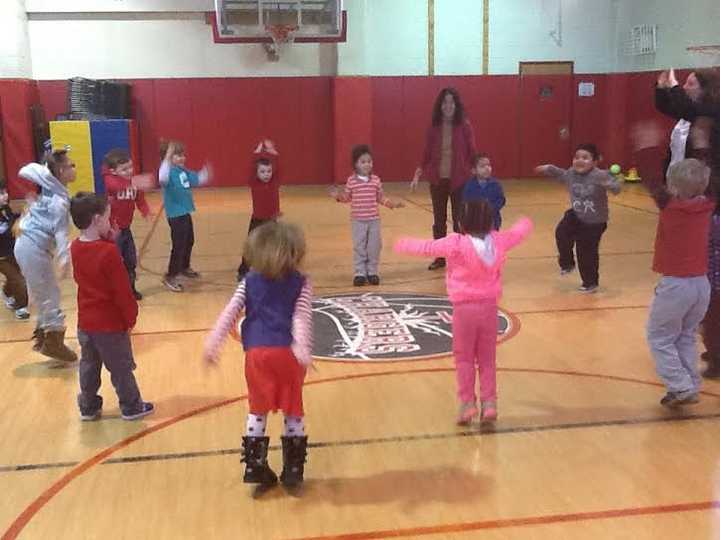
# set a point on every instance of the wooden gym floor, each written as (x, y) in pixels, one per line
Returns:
(582, 449)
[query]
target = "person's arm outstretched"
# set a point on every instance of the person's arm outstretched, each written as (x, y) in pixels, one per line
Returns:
(226, 321)
(442, 247)
(302, 326)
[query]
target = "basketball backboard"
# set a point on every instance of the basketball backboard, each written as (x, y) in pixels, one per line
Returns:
(251, 21)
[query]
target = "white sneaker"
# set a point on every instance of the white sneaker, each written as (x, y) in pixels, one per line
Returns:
(22, 314)
(10, 302)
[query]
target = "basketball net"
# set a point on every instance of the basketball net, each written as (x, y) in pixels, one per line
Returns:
(282, 35)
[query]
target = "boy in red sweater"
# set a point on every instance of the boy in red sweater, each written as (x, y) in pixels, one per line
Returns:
(264, 186)
(107, 311)
(683, 293)
(124, 195)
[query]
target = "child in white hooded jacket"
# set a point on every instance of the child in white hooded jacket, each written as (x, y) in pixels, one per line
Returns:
(42, 245)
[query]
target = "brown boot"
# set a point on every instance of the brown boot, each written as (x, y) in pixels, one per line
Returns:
(54, 346)
(38, 338)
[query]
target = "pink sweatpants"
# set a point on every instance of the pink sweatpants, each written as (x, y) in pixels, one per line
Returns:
(474, 343)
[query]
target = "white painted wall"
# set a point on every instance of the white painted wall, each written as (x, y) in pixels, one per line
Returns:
(169, 38)
(15, 56)
(583, 32)
(680, 25)
(160, 48)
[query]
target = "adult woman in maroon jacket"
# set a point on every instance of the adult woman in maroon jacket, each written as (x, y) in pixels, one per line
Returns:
(447, 161)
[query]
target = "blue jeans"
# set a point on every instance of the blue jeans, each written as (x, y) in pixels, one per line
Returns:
(675, 315)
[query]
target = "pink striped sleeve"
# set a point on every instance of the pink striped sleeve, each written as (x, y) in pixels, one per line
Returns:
(227, 319)
(302, 326)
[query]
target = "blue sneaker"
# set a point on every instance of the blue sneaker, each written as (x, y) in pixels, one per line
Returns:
(145, 409)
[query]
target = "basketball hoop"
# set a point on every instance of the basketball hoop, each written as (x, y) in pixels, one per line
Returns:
(282, 35)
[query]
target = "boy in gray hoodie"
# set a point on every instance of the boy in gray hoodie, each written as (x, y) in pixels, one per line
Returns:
(42, 244)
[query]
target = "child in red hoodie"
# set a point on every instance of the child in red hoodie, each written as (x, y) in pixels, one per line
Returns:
(683, 293)
(124, 195)
(107, 312)
(264, 186)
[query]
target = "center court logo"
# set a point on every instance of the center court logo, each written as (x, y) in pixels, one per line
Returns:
(386, 327)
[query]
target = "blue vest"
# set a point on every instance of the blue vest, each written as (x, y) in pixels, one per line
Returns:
(269, 308)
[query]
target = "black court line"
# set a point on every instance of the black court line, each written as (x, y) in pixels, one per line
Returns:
(479, 432)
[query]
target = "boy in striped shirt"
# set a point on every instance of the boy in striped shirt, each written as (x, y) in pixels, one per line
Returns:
(363, 191)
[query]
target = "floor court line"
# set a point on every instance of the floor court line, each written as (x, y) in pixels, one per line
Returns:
(35, 506)
(547, 519)
(478, 432)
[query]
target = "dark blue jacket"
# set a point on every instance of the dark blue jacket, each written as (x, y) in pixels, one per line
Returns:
(490, 190)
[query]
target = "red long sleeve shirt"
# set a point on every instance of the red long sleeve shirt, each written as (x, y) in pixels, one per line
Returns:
(123, 199)
(681, 242)
(105, 299)
(265, 195)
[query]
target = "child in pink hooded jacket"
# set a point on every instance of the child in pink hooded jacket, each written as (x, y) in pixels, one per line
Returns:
(475, 260)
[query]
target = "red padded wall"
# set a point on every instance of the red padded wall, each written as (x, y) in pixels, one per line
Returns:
(16, 97)
(352, 121)
(221, 120)
(316, 120)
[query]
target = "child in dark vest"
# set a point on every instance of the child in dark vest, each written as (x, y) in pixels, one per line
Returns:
(277, 338)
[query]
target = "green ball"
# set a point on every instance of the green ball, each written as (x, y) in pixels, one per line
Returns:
(615, 169)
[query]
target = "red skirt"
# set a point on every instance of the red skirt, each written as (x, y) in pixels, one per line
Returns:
(275, 380)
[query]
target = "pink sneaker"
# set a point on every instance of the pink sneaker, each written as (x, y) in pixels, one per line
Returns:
(468, 411)
(489, 412)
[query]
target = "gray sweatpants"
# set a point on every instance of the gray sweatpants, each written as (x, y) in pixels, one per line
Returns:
(675, 314)
(39, 271)
(115, 351)
(367, 244)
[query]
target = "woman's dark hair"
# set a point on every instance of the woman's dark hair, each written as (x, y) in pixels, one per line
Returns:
(590, 148)
(477, 218)
(709, 80)
(459, 115)
(359, 150)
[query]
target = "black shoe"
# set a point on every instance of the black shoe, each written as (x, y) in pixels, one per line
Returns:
(137, 294)
(437, 263)
(373, 280)
(294, 455)
(359, 281)
(254, 455)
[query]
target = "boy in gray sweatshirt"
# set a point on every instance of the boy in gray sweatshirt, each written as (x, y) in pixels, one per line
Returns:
(42, 244)
(584, 223)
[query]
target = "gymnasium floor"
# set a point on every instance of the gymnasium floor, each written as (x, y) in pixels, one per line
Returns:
(582, 449)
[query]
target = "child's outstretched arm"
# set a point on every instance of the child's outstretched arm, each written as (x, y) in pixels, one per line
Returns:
(227, 319)
(166, 165)
(519, 231)
(550, 170)
(302, 326)
(427, 248)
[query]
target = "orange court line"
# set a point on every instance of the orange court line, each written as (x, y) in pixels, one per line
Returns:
(34, 507)
(523, 521)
